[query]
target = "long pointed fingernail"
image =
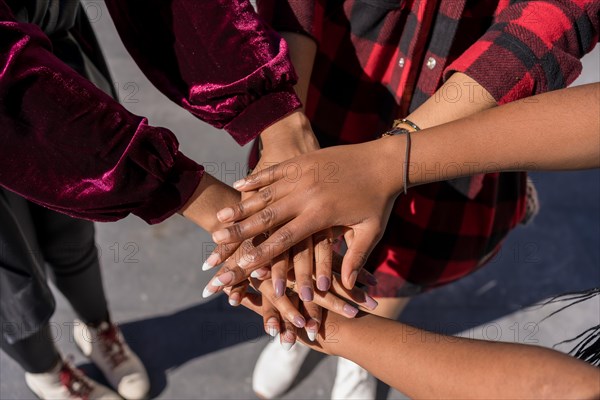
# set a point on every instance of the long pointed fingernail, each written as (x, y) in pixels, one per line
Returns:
(212, 261)
(223, 279)
(258, 273)
(370, 303)
(225, 214)
(273, 326)
(234, 302)
(239, 184)
(323, 283)
(279, 287)
(287, 345)
(220, 236)
(207, 292)
(350, 311)
(312, 327)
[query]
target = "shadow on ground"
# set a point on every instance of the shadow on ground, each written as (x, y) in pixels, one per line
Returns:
(557, 253)
(167, 342)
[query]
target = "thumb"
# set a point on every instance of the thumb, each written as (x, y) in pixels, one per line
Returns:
(360, 244)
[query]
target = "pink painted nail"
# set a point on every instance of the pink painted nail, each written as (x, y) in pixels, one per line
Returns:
(323, 283)
(370, 303)
(306, 293)
(279, 287)
(298, 321)
(350, 311)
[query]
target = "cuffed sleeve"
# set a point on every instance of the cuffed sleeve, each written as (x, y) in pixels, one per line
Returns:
(217, 59)
(532, 47)
(67, 145)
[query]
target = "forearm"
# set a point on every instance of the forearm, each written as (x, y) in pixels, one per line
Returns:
(459, 97)
(553, 131)
(302, 51)
(294, 130)
(426, 365)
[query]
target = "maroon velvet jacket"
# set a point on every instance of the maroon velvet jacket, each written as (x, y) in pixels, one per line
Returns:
(67, 145)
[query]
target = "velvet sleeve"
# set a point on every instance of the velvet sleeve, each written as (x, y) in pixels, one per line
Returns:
(67, 145)
(217, 59)
(532, 47)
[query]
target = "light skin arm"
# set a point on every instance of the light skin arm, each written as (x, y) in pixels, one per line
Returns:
(557, 130)
(459, 97)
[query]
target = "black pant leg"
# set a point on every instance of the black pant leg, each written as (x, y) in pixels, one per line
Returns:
(69, 248)
(35, 354)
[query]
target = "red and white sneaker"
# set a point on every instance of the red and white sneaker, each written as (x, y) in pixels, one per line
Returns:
(65, 382)
(106, 347)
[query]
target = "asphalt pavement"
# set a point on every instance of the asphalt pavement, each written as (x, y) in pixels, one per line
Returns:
(205, 349)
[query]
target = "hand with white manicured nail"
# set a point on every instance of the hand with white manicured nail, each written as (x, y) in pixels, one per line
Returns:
(346, 186)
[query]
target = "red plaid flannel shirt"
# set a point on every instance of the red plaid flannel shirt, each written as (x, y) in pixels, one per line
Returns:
(380, 59)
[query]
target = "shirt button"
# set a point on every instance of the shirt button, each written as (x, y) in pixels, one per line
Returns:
(401, 62)
(431, 63)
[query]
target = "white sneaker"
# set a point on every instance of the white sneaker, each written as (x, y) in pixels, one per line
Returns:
(353, 382)
(277, 368)
(65, 382)
(106, 347)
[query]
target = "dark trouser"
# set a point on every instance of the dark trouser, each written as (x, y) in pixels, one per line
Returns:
(67, 246)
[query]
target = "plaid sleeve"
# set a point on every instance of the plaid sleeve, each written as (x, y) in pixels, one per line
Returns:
(299, 16)
(532, 47)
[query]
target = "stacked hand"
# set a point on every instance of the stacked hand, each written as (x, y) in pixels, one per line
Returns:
(338, 300)
(282, 141)
(348, 187)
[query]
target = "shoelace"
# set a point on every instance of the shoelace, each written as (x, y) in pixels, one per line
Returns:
(75, 381)
(112, 345)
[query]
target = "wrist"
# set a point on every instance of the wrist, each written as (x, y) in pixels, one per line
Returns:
(398, 141)
(333, 334)
(391, 148)
(292, 133)
(209, 197)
